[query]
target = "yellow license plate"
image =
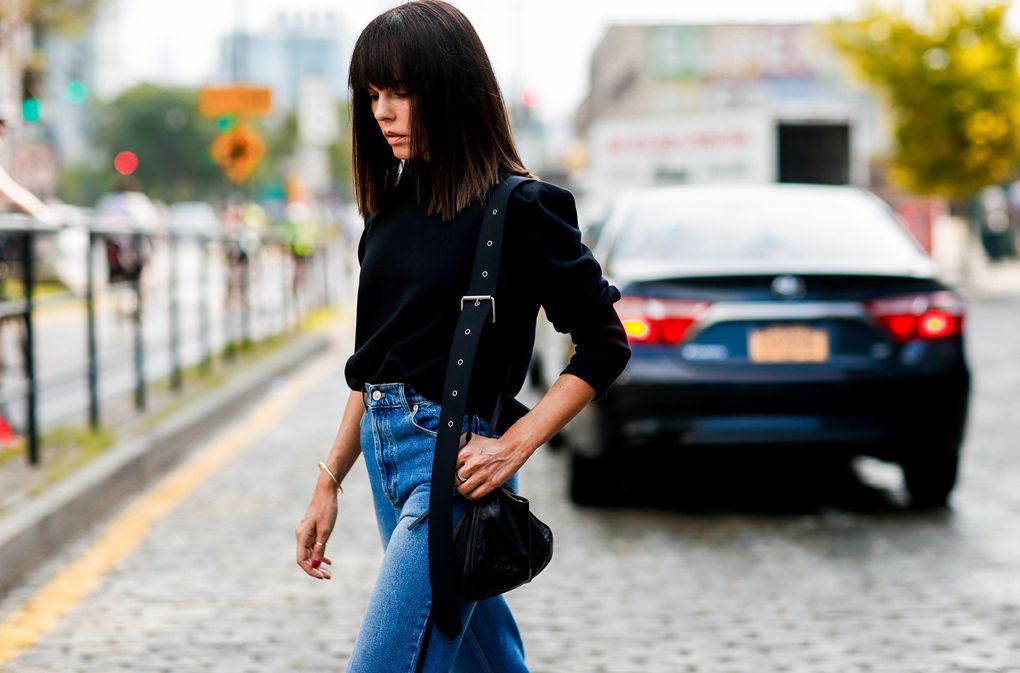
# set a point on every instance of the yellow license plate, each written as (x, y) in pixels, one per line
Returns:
(788, 343)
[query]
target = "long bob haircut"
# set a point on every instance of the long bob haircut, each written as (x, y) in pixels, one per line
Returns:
(459, 122)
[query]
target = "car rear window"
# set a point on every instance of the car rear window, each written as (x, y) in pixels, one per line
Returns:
(815, 226)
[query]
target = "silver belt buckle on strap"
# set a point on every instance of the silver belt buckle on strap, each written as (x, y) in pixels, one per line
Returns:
(478, 300)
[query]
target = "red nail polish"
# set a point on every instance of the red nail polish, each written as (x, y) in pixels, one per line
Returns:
(315, 563)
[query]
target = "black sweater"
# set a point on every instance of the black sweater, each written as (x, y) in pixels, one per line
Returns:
(415, 268)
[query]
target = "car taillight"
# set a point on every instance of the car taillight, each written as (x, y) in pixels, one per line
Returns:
(658, 321)
(930, 315)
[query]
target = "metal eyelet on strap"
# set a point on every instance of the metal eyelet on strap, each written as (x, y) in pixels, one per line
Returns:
(494, 211)
(449, 424)
(485, 274)
(454, 393)
(467, 331)
(488, 243)
(460, 362)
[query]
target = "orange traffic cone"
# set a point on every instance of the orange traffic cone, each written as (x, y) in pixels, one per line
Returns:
(7, 435)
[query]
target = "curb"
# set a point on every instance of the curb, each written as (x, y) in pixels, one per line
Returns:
(31, 533)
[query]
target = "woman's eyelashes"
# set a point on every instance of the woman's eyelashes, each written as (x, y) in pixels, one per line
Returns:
(373, 94)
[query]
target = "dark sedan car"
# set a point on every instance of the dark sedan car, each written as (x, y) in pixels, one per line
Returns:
(775, 315)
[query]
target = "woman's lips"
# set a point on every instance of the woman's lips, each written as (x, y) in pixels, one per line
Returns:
(395, 139)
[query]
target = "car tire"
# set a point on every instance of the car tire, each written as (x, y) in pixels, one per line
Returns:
(931, 476)
(598, 481)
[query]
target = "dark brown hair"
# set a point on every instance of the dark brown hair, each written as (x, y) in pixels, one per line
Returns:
(430, 50)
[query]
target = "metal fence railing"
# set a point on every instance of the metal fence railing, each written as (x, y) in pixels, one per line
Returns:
(122, 324)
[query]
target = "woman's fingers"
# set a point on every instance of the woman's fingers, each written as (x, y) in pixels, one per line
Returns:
(319, 551)
(310, 555)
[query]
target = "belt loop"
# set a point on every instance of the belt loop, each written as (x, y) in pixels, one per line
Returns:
(364, 398)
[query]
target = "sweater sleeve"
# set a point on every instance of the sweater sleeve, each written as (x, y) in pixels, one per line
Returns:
(577, 299)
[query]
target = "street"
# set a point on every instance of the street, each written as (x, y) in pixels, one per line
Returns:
(719, 587)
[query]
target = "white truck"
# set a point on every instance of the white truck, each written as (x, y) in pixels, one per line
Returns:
(746, 146)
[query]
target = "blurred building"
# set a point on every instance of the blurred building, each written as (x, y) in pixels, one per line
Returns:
(80, 68)
(298, 46)
(724, 103)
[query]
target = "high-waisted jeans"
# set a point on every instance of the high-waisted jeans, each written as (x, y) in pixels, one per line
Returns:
(398, 433)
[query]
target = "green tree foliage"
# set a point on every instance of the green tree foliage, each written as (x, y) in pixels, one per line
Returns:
(953, 88)
(163, 128)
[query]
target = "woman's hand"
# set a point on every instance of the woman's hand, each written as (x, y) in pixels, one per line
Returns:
(484, 464)
(316, 526)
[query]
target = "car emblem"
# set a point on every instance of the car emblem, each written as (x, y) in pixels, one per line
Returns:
(788, 287)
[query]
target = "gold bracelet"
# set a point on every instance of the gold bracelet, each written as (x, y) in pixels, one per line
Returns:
(322, 466)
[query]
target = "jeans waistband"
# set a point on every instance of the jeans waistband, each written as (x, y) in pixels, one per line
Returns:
(389, 395)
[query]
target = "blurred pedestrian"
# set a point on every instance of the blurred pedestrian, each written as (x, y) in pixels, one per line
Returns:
(244, 225)
(14, 197)
(301, 233)
(431, 140)
(995, 225)
(129, 219)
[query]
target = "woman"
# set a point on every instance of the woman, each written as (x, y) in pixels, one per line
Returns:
(431, 140)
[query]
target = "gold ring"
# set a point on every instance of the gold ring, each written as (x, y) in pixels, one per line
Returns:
(321, 544)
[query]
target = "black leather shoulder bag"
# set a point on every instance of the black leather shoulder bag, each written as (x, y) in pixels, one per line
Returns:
(499, 544)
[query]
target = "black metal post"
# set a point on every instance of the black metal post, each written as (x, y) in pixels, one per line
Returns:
(246, 301)
(136, 285)
(28, 282)
(90, 312)
(288, 282)
(327, 298)
(175, 317)
(205, 339)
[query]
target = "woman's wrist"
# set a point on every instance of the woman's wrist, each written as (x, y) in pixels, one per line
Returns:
(328, 481)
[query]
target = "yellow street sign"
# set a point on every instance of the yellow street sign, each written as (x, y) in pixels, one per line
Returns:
(216, 101)
(238, 152)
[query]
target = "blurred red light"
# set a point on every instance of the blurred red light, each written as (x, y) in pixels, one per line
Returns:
(126, 162)
(637, 329)
(659, 321)
(926, 316)
(936, 324)
(901, 326)
(529, 99)
(672, 330)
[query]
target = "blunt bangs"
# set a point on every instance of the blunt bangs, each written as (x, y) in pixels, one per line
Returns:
(384, 56)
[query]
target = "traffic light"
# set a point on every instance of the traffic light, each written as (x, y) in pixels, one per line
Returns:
(125, 162)
(31, 87)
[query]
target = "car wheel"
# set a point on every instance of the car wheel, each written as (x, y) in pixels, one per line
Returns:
(600, 481)
(931, 476)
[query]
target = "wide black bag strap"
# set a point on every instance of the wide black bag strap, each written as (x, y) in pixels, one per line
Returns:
(476, 307)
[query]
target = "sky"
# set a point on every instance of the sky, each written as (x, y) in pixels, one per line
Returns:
(543, 45)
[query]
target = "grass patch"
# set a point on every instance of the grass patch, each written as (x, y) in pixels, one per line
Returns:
(16, 450)
(68, 449)
(14, 289)
(319, 318)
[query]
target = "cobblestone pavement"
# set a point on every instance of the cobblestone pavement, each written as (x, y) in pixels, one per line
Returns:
(213, 586)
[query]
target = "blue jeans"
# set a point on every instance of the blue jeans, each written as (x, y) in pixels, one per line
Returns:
(398, 433)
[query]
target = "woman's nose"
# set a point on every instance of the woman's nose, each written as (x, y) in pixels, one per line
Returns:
(383, 110)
